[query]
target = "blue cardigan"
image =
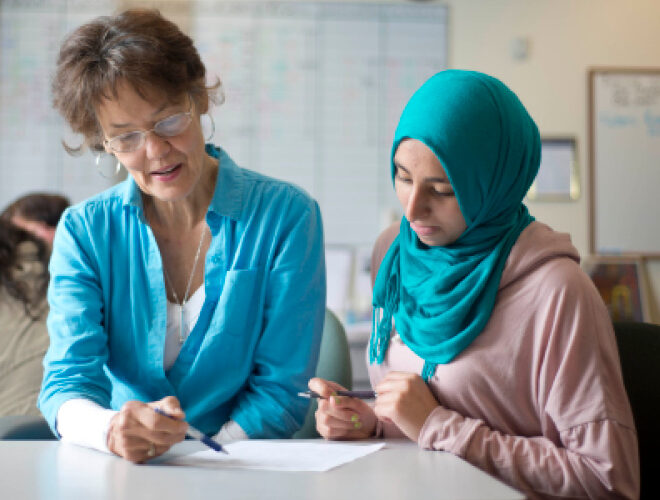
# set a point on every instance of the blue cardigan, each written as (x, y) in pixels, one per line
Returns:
(256, 342)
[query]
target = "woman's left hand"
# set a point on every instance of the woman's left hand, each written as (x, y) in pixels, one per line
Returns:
(405, 400)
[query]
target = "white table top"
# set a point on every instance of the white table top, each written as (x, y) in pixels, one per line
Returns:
(53, 470)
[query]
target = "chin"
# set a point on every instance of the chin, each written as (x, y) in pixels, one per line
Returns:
(434, 241)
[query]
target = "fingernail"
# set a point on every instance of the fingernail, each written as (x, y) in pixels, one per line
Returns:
(357, 425)
(355, 418)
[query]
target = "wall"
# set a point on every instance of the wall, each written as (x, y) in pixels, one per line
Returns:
(566, 37)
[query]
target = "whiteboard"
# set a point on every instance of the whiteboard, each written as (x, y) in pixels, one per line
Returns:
(625, 161)
(313, 95)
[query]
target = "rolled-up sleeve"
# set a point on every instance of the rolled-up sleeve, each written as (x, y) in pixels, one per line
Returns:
(73, 365)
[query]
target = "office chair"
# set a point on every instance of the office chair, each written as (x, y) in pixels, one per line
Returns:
(639, 350)
(15, 427)
(334, 364)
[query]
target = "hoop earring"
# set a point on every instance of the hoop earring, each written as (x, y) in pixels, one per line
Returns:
(104, 166)
(210, 136)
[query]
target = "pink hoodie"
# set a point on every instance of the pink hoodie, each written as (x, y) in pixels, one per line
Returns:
(537, 399)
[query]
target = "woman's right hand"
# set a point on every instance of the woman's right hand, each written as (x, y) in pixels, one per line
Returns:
(341, 417)
(137, 433)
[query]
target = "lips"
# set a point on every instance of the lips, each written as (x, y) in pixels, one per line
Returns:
(423, 230)
(167, 170)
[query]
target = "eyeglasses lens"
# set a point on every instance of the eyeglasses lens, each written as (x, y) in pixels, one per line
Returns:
(132, 141)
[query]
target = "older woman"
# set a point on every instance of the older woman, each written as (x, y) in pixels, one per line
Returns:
(195, 286)
(489, 342)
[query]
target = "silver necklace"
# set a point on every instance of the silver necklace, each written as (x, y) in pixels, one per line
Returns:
(182, 303)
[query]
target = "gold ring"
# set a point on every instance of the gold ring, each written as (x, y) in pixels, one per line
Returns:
(152, 450)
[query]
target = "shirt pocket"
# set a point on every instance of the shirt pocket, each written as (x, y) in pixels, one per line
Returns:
(240, 306)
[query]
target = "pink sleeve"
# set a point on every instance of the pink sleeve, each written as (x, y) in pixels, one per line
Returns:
(596, 460)
(588, 443)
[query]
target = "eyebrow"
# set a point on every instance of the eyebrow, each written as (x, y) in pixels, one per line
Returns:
(155, 113)
(428, 179)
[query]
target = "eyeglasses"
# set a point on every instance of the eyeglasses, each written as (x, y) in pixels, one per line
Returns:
(167, 127)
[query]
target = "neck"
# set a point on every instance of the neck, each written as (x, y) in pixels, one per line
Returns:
(188, 212)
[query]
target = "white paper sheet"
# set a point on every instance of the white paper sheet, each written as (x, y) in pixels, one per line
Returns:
(279, 455)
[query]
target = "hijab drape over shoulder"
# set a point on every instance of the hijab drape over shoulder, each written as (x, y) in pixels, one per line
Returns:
(442, 297)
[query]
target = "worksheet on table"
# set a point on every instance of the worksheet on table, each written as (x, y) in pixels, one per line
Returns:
(279, 455)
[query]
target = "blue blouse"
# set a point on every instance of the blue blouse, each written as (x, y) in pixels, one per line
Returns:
(256, 342)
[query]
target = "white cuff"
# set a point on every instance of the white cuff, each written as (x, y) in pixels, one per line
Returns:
(85, 423)
(230, 432)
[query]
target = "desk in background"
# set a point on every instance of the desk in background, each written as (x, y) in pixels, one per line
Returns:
(358, 335)
(52, 470)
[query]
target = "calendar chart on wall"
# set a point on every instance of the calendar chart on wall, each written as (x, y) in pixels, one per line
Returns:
(32, 157)
(313, 92)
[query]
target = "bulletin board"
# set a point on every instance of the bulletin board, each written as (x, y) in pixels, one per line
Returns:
(313, 92)
(624, 161)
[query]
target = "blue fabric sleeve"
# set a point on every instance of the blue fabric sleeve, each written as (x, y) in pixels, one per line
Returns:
(287, 351)
(73, 365)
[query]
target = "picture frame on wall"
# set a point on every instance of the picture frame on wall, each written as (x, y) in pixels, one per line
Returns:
(558, 178)
(621, 282)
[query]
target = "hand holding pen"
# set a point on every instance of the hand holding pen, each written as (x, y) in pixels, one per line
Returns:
(341, 414)
(138, 434)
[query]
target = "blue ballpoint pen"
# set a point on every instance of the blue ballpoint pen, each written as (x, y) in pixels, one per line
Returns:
(196, 434)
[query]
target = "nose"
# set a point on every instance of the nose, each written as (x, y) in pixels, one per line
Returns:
(417, 206)
(157, 147)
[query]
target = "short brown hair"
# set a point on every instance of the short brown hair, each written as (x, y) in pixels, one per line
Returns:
(138, 46)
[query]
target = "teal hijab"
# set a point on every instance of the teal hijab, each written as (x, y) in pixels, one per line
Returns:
(442, 297)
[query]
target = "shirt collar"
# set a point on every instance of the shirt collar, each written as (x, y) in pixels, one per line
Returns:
(229, 186)
(132, 197)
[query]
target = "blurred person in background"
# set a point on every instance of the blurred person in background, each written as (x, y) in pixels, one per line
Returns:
(27, 227)
(38, 214)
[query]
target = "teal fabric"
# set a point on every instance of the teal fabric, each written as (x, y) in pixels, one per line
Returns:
(256, 342)
(442, 297)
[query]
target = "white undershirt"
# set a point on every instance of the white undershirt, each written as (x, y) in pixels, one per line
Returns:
(84, 422)
(191, 310)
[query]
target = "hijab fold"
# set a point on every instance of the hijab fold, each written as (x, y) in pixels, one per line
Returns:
(441, 298)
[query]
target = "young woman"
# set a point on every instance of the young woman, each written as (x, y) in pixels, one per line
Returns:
(489, 341)
(195, 286)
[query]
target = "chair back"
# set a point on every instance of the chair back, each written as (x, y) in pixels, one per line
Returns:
(21, 427)
(334, 364)
(639, 350)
